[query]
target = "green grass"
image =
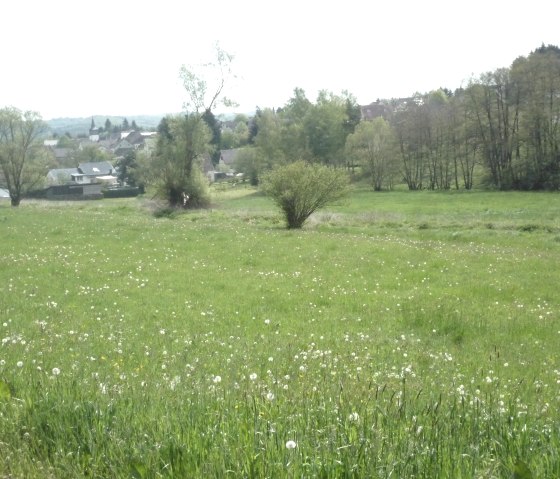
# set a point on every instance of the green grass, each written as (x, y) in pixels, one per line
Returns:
(397, 335)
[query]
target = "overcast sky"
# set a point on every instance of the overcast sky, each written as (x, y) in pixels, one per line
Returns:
(67, 58)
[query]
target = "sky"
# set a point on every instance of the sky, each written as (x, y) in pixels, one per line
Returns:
(75, 58)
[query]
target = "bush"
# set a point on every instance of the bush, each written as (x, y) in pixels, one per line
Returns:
(300, 189)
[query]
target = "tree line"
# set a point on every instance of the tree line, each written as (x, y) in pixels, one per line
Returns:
(502, 131)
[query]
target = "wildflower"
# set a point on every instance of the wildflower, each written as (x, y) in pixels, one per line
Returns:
(217, 379)
(270, 396)
(55, 371)
(267, 321)
(253, 376)
(19, 364)
(354, 417)
(291, 444)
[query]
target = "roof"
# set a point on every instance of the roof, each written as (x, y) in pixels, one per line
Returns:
(375, 110)
(134, 137)
(61, 172)
(61, 175)
(99, 168)
(124, 145)
(4, 193)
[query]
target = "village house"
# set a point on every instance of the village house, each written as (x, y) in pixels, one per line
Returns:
(86, 173)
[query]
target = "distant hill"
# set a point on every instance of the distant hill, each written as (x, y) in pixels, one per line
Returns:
(80, 126)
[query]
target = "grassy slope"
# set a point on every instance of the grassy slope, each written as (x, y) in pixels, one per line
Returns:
(433, 318)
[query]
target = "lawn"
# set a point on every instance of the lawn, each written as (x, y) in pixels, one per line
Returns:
(399, 334)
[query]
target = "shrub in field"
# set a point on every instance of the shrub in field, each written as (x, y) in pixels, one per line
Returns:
(300, 189)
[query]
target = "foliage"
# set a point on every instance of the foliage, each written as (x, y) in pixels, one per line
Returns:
(176, 167)
(216, 131)
(300, 189)
(326, 126)
(127, 169)
(205, 84)
(303, 130)
(250, 163)
(373, 147)
(91, 154)
(185, 140)
(21, 163)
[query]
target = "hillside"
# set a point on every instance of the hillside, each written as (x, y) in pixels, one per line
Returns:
(80, 126)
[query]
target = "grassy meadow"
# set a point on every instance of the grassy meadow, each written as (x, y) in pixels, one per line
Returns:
(398, 335)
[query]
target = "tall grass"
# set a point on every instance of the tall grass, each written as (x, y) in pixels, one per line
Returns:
(384, 340)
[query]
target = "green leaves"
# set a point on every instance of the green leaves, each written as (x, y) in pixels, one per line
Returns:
(300, 189)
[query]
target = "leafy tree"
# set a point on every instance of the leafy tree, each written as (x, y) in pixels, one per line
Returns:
(65, 142)
(305, 131)
(438, 111)
(410, 125)
(326, 128)
(20, 160)
(228, 139)
(538, 77)
(205, 88)
(294, 142)
(241, 133)
(216, 130)
(372, 145)
(126, 167)
(353, 113)
(275, 146)
(176, 168)
(495, 101)
(91, 154)
(251, 163)
(464, 141)
(253, 128)
(300, 189)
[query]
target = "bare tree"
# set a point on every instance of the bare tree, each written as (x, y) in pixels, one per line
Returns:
(205, 83)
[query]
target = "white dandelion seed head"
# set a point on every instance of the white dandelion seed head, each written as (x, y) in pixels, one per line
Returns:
(253, 376)
(353, 417)
(291, 444)
(19, 364)
(217, 379)
(55, 371)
